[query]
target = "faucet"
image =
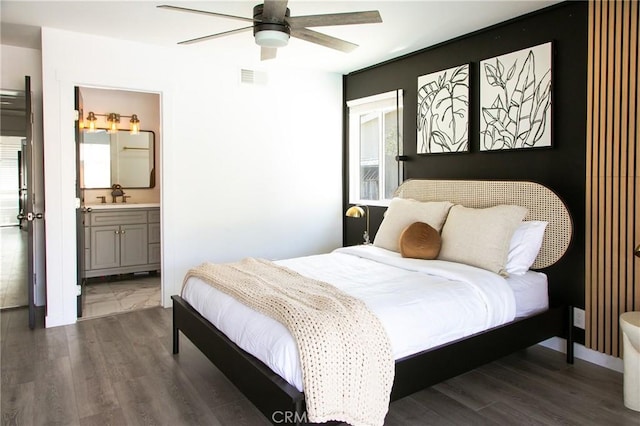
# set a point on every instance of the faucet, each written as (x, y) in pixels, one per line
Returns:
(117, 192)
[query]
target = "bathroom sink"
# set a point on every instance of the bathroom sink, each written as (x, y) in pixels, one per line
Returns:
(129, 205)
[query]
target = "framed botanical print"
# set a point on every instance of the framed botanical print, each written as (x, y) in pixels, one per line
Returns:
(515, 99)
(443, 111)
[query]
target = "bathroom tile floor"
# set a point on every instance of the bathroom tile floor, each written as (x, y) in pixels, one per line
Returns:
(108, 296)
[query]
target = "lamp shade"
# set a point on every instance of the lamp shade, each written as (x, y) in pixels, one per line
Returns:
(355, 211)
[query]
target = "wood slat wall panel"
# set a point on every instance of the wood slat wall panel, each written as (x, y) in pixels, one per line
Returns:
(593, 92)
(633, 293)
(612, 200)
(589, 158)
(624, 169)
(601, 205)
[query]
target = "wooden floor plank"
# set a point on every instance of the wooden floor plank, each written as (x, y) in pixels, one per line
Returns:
(54, 393)
(17, 404)
(240, 413)
(121, 360)
(119, 370)
(469, 390)
(449, 409)
(554, 401)
(114, 417)
(136, 399)
(94, 392)
(210, 383)
(408, 411)
(503, 413)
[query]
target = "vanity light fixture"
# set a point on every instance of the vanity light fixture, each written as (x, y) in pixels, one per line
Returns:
(134, 125)
(91, 119)
(113, 119)
(112, 122)
(357, 211)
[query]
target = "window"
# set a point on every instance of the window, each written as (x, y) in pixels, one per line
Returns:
(375, 142)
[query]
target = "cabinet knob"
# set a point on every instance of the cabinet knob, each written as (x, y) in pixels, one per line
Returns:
(637, 251)
(117, 232)
(123, 232)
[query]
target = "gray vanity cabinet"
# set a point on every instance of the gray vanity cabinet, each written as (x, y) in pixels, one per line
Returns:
(121, 241)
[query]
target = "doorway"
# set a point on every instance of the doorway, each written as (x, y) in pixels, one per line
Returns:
(17, 193)
(118, 223)
(13, 236)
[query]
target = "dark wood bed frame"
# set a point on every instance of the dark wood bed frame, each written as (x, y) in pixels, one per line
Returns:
(272, 395)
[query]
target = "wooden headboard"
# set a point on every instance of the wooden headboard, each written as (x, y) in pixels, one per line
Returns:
(543, 204)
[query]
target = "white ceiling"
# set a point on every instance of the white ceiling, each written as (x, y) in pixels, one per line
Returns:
(407, 26)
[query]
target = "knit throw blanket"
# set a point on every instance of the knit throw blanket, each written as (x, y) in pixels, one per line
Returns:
(345, 354)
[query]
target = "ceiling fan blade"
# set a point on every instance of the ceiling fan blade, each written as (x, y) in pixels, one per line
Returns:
(274, 10)
(349, 18)
(322, 39)
(204, 12)
(267, 53)
(212, 36)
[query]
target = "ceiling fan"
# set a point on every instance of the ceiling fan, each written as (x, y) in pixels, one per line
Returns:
(272, 26)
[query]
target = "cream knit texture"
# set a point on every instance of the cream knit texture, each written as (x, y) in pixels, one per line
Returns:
(345, 354)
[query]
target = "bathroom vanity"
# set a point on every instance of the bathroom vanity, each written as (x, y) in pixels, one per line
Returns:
(121, 239)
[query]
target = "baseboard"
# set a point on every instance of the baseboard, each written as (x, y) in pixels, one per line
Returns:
(582, 352)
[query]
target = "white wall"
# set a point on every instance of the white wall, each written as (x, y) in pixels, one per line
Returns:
(246, 170)
(17, 62)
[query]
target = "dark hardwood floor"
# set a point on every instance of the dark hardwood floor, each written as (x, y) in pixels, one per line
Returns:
(119, 370)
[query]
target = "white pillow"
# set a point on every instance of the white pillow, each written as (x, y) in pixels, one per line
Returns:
(480, 237)
(402, 212)
(525, 246)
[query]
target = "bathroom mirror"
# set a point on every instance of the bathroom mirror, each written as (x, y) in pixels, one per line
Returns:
(117, 158)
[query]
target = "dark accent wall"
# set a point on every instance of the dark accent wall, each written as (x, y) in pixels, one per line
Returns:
(561, 167)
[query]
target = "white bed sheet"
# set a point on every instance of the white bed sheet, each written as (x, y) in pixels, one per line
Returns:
(530, 291)
(421, 304)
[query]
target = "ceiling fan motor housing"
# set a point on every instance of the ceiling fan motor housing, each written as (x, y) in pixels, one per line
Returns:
(259, 24)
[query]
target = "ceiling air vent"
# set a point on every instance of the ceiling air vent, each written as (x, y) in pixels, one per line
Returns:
(253, 77)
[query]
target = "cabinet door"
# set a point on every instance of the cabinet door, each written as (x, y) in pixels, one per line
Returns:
(154, 233)
(133, 245)
(154, 253)
(105, 247)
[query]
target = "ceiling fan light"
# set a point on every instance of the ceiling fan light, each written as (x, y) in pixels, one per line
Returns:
(271, 38)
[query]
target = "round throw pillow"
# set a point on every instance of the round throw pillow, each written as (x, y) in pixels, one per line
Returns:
(420, 241)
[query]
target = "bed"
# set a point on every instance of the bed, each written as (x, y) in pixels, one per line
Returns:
(522, 316)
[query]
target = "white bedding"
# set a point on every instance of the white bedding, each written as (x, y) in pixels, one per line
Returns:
(530, 291)
(421, 304)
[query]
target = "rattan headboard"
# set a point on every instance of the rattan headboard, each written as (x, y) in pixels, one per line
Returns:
(543, 204)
